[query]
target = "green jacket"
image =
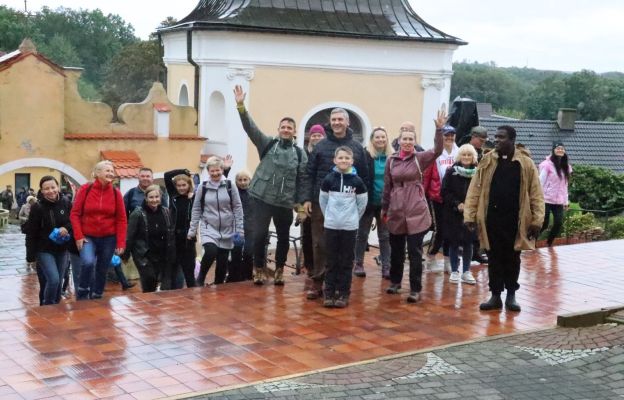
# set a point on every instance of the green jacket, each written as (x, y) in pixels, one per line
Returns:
(280, 178)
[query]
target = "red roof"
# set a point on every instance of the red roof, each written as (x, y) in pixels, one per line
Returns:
(126, 162)
(110, 136)
(162, 107)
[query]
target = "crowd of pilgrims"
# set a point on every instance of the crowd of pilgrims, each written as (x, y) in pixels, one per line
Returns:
(335, 188)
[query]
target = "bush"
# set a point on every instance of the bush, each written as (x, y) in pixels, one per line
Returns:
(578, 222)
(596, 188)
(615, 228)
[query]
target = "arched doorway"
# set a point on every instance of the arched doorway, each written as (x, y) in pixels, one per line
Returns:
(358, 121)
(183, 98)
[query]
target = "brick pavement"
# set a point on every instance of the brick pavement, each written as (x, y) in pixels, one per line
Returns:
(557, 364)
(190, 341)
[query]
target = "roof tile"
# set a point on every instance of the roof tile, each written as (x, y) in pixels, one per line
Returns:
(126, 162)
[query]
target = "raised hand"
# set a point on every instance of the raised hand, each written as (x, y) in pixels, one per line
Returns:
(228, 161)
(441, 117)
(239, 94)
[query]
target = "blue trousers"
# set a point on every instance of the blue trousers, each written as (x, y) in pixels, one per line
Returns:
(53, 267)
(96, 256)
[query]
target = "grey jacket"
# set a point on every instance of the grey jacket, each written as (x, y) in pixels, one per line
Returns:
(342, 199)
(222, 216)
(280, 178)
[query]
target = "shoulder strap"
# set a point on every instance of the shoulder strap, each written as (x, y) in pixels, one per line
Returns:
(89, 187)
(268, 147)
(203, 194)
(228, 184)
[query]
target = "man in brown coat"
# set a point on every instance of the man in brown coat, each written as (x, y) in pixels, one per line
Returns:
(506, 204)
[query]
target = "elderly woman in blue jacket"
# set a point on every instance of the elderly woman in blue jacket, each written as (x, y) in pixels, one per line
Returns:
(218, 211)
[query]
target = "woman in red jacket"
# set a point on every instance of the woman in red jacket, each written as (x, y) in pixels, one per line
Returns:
(99, 222)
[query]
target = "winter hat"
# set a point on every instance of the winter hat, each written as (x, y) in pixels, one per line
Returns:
(448, 130)
(317, 129)
(557, 144)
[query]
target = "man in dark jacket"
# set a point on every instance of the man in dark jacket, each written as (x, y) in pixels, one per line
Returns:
(319, 165)
(135, 196)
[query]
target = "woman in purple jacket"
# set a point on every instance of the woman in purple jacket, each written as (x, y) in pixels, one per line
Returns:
(554, 176)
(405, 209)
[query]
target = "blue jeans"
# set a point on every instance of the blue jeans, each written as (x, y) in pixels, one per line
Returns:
(53, 266)
(96, 256)
(466, 256)
(373, 212)
(76, 266)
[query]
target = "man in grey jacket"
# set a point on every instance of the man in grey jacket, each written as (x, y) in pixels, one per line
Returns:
(276, 187)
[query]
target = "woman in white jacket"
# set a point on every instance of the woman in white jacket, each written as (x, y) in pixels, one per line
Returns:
(217, 206)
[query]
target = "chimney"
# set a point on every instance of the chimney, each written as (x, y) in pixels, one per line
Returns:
(566, 117)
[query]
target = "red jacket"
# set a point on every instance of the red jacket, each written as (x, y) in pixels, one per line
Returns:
(432, 184)
(101, 214)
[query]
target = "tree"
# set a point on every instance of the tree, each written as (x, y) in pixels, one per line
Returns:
(587, 92)
(596, 188)
(14, 27)
(547, 98)
(131, 73)
(61, 51)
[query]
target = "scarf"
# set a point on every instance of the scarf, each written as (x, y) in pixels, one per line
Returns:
(464, 172)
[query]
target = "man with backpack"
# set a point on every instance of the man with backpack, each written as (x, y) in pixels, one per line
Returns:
(276, 187)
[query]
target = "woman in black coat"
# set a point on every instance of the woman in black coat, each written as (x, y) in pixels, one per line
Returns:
(454, 189)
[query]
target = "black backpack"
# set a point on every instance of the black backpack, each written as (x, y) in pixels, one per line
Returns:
(274, 142)
(204, 189)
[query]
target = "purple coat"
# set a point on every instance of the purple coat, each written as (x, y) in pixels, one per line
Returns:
(403, 199)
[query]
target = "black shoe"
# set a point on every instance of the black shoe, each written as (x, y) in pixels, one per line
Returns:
(414, 297)
(329, 302)
(480, 258)
(128, 286)
(394, 288)
(510, 302)
(494, 303)
(341, 301)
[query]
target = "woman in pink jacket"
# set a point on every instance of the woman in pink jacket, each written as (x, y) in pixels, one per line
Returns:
(405, 208)
(554, 176)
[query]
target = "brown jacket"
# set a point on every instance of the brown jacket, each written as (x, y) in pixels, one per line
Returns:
(531, 198)
(403, 199)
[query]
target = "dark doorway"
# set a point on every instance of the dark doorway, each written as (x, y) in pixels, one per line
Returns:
(22, 181)
(322, 118)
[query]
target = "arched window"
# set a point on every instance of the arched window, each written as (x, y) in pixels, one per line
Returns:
(183, 99)
(358, 121)
(216, 117)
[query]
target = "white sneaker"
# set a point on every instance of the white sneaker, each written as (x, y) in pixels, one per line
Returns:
(447, 265)
(432, 265)
(468, 278)
(454, 278)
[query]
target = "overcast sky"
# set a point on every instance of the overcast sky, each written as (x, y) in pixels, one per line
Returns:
(567, 35)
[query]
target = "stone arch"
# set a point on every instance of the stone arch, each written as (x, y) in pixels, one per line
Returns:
(359, 121)
(183, 97)
(45, 163)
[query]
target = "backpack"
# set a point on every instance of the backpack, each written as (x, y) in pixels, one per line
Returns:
(228, 183)
(87, 193)
(274, 142)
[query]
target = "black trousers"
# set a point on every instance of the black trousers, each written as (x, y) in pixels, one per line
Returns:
(504, 261)
(557, 211)
(397, 259)
(149, 273)
(339, 246)
(282, 219)
(307, 247)
(185, 260)
(438, 235)
(212, 252)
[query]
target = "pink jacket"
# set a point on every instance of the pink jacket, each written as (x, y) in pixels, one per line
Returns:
(555, 188)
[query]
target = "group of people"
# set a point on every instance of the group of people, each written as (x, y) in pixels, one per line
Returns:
(470, 198)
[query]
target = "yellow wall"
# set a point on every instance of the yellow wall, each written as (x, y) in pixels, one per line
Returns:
(176, 74)
(35, 175)
(387, 100)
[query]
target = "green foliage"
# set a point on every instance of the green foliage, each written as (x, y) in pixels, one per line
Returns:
(615, 228)
(88, 91)
(540, 94)
(131, 73)
(578, 222)
(61, 51)
(508, 112)
(14, 27)
(596, 188)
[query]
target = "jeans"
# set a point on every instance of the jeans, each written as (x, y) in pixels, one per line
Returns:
(382, 234)
(212, 252)
(96, 256)
(397, 259)
(282, 219)
(466, 255)
(53, 267)
(557, 211)
(438, 236)
(339, 261)
(76, 269)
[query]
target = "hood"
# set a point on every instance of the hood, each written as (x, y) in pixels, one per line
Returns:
(43, 200)
(352, 171)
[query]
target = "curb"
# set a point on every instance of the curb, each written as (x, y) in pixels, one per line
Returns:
(587, 318)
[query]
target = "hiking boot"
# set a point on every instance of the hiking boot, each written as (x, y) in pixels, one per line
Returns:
(328, 302)
(278, 277)
(359, 271)
(414, 297)
(394, 288)
(454, 278)
(341, 301)
(130, 285)
(468, 278)
(315, 291)
(510, 302)
(494, 303)
(258, 276)
(385, 272)
(447, 265)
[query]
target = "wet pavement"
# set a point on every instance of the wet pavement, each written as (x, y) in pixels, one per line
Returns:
(140, 346)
